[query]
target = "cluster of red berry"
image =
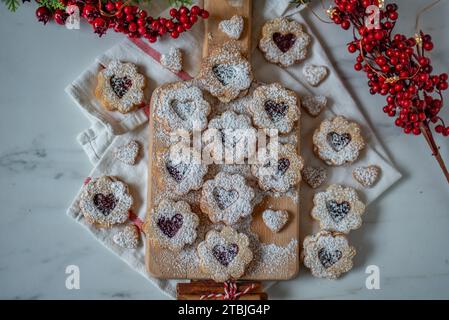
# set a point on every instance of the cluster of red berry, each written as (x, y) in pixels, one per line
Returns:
(127, 19)
(396, 65)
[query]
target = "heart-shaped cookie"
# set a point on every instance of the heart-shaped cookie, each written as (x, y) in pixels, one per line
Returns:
(314, 74)
(314, 176)
(225, 198)
(314, 104)
(183, 109)
(105, 203)
(120, 85)
(178, 171)
(225, 253)
(128, 153)
(128, 237)
(338, 141)
(232, 27)
(366, 176)
(172, 60)
(338, 210)
(225, 73)
(276, 111)
(170, 226)
(275, 220)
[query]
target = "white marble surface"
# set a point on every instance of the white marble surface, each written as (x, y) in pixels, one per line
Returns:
(405, 232)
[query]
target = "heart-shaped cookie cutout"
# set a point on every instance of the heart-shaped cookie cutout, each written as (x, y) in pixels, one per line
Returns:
(183, 109)
(275, 220)
(233, 27)
(128, 153)
(314, 104)
(329, 257)
(178, 171)
(314, 176)
(172, 60)
(128, 237)
(105, 203)
(366, 176)
(276, 111)
(224, 198)
(314, 74)
(225, 253)
(338, 141)
(225, 73)
(284, 41)
(283, 165)
(338, 210)
(170, 226)
(120, 85)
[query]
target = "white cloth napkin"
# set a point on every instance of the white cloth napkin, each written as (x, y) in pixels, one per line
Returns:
(109, 131)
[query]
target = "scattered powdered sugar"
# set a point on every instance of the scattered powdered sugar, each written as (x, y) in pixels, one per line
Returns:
(232, 27)
(128, 237)
(128, 153)
(366, 176)
(172, 60)
(313, 104)
(314, 74)
(275, 220)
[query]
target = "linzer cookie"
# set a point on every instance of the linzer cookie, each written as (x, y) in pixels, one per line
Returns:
(180, 106)
(231, 138)
(227, 198)
(274, 107)
(173, 225)
(280, 168)
(120, 87)
(328, 254)
(181, 169)
(338, 141)
(224, 255)
(105, 201)
(338, 209)
(225, 73)
(284, 42)
(366, 176)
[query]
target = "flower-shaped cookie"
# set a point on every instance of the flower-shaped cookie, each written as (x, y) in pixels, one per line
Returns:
(180, 106)
(328, 254)
(224, 255)
(338, 209)
(284, 42)
(231, 137)
(274, 107)
(181, 169)
(279, 169)
(120, 87)
(173, 225)
(227, 198)
(338, 141)
(105, 201)
(225, 73)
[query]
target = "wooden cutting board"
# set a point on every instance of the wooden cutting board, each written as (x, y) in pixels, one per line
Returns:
(163, 263)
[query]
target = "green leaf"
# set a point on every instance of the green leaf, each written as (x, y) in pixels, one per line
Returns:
(12, 5)
(178, 3)
(52, 4)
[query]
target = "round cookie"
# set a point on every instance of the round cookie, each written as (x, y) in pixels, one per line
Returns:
(120, 87)
(231, 137)
(338, 141)
(173, 225)
(180, 106)
(225, 73)
(227, 198)
(284, 42)
(181, 169)
(280, 170)
(338, 209)
(274, 107)
(327, 254)
(105, 201)
(224, 255)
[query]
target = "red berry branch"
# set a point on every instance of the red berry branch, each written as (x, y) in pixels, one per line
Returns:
(123, 17)
(397, 67)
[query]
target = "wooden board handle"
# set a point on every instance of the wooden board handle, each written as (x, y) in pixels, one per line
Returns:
(222, 10)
